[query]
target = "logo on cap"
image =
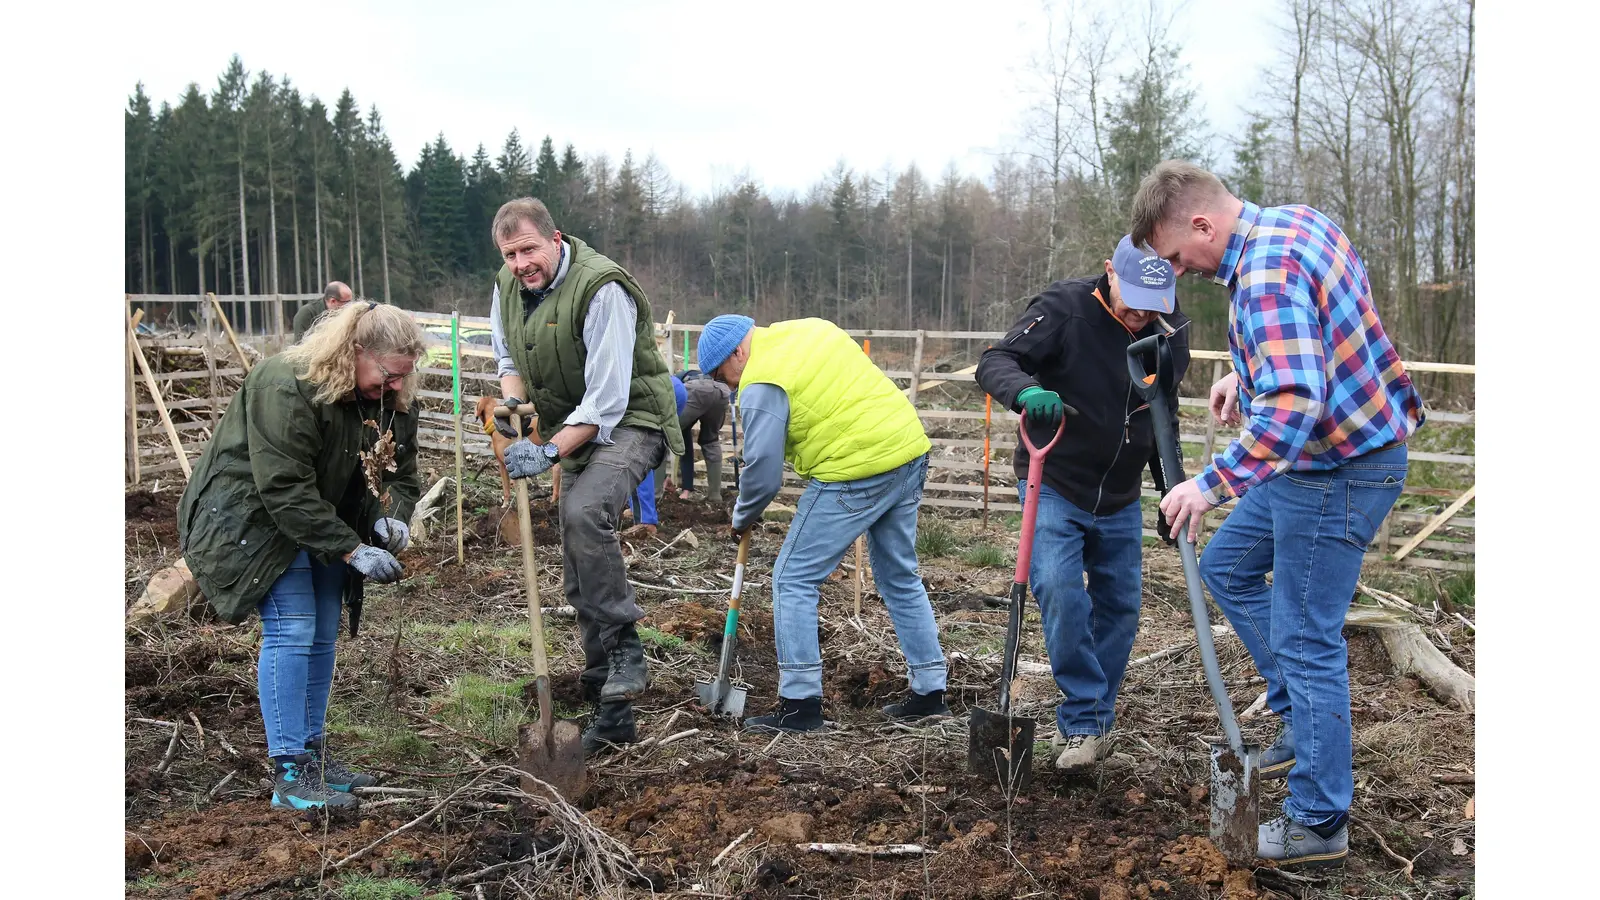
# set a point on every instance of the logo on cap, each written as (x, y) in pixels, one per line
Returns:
(1154, 271)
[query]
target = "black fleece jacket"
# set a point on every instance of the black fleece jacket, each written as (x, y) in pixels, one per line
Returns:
(1069, 342)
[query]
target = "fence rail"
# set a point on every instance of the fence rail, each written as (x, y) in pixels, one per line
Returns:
(955, 481)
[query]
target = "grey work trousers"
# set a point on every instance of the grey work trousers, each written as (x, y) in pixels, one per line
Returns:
(707, 407)
(593, 576)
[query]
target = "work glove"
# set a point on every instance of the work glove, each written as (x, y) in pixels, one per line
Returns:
(503, 424)
(1040, 406)
(1164, 529)
(393, 534)
(378, 565)
(525, 459)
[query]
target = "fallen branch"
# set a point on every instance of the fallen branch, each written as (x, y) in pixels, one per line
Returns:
(1456, 777)
(1412, 653)
(172, 748)
(729, 849)
(1384, 845)
(212, 794)
(1255, 708)
(196, 720)
(679, 736)
(403, 828)
(879, 850)
(681, 590)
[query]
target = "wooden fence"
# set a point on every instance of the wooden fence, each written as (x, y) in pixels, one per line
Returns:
(946, 397)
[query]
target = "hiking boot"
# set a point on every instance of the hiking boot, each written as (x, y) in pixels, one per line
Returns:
(589, 691)
(1079, 752)
(629, 674)
(335, 774)
(613, 725)
(1277, 760)
(918, 706)
(299, 786)
(1292, 845)
(790, 715)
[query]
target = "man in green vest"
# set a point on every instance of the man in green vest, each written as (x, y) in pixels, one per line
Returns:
(808, 395)
(573, 334)
(334, 297)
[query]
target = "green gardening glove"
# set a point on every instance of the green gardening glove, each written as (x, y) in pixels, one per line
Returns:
(1041, 406)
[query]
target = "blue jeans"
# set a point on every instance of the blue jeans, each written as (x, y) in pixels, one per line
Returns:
(1293, 627)
(1087, 632)
(643, 501)
(827, 520)
(299, 621)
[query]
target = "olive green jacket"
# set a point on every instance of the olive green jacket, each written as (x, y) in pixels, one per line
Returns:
(269, 483)
(306, 316)
(546, 343)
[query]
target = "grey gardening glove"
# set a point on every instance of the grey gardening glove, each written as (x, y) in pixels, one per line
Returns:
(525, 459)
(393, 534)
(378, 565)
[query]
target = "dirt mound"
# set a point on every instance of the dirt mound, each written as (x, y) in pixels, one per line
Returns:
(154, 516)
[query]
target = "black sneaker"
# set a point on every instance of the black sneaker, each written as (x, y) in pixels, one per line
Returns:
(335, 774)
(790, 715)
(629, 674)
(299, 786)
(613, 725)
(1277, 760)
(918, 706)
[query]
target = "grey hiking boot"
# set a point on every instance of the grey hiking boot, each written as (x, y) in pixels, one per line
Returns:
(1277, 760)
(613, 725)
(1079, 752)
(299, 786)
(335, 774)
(1292, 845)
(629, 674)
(918, 706)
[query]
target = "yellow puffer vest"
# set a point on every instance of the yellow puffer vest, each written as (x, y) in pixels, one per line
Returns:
(847, 420)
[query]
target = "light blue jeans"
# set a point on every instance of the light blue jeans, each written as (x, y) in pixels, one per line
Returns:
(827, 520)
(1088, 631)
(1310, 530)
(299, 621)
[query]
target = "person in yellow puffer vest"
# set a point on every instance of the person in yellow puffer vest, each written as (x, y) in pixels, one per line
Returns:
(808, 395)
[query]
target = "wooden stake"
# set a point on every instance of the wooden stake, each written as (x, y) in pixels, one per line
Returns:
(1437, 521)
(861, 539)
(133, 399)
(161, 406)
(916, 367)
(228, 327)
(988, 404)
(455, 366)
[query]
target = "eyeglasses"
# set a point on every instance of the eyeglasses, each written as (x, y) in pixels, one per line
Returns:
(389, 378)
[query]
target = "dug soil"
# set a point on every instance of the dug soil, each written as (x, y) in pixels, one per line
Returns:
(703, 808)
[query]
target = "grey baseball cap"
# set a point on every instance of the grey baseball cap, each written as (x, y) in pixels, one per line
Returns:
(1147, 280)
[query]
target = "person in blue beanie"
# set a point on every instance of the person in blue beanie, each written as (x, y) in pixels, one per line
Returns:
(809, 396)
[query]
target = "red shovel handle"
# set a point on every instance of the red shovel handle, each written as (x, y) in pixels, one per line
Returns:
(1030, 503)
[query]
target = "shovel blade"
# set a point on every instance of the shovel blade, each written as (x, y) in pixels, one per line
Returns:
(1000, 749)
(1235, 802)
(721, 698)
(556, 758)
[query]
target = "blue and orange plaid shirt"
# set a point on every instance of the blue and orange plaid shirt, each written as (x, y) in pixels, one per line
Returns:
(1318, 378)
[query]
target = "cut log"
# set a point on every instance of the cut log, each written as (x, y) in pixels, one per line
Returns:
(430, 508)
(1411, 653)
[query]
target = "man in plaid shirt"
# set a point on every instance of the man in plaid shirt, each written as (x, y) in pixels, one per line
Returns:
(1317, 468)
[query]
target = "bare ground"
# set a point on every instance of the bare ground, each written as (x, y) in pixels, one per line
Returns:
(435, 715)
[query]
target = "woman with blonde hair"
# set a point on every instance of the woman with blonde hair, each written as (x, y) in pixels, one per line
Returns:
(302, 493)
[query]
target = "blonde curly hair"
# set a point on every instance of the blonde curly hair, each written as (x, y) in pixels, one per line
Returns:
(326, 357)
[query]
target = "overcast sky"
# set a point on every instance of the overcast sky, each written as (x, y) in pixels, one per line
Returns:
(783, 90)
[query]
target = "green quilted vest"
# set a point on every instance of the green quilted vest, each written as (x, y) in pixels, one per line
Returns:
(547, 347)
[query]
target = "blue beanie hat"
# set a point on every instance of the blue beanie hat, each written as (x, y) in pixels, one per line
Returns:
(720, 338)
(681, 392)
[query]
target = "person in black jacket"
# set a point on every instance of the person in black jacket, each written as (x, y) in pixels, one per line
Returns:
(1070, 350)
